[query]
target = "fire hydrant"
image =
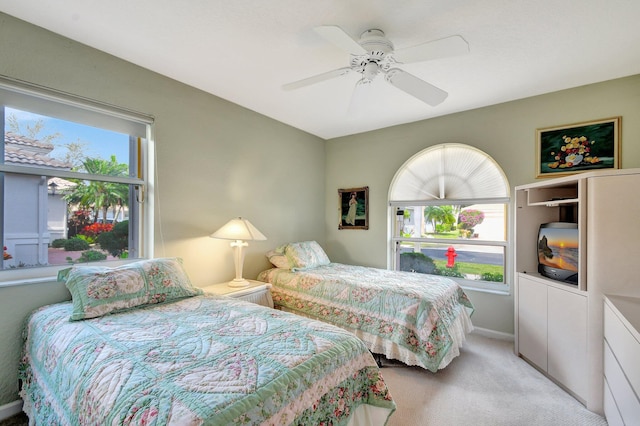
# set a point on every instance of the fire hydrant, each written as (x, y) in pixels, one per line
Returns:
(451, 257)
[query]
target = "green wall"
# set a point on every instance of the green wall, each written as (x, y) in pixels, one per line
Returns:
(215, 161)
(506, 132)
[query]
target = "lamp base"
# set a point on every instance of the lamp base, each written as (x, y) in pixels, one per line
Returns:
(238, 282)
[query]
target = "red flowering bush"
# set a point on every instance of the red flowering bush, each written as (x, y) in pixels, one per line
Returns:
(95, 229)
(5, 255)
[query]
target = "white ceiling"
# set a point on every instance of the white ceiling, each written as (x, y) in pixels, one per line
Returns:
(245, 50)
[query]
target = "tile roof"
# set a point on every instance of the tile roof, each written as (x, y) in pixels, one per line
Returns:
(12, 138)
(22, 150)
(61, 185)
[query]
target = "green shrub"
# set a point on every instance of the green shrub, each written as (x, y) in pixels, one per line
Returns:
(76, 244)
(91, 256)
(58, 243)
(417, 262)
(494, 277)
(87, 238)
(441, 228)
(117, 240)
(449, 272)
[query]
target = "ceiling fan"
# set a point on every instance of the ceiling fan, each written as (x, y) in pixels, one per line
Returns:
(373, 54)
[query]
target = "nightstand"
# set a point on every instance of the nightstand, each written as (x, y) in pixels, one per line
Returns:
(256, 292)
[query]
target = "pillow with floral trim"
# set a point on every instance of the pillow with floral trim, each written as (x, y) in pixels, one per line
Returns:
(99, 290)
(305, 255)
(278, 258)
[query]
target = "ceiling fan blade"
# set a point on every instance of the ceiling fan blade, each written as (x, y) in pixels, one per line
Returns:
(442, 48)
(417, 88)
(316, 78)
(361, 97)
(336, 35)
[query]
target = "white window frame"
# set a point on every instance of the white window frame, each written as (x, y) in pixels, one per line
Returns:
(42, 100)
(499, 288)
(499, 193)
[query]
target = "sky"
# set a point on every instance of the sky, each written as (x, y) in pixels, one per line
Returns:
(561, 237)
(97, 142)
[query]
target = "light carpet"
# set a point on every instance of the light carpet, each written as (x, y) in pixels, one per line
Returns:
(487, 385)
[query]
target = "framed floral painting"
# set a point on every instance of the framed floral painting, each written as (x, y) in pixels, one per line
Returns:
(354, 208)
(578, 147)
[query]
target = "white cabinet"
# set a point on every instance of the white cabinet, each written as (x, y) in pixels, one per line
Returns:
(567, 339)
(606, 209)
(621, 355)
(532, 327)
(552, 331)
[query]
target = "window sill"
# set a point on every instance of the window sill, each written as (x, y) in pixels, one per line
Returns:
(484, 287)
(25, 276)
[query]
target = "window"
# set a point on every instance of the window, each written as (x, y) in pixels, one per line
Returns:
(73, 175)
(448, 216)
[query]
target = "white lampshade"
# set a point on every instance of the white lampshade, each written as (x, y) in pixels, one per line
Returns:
(239, 230)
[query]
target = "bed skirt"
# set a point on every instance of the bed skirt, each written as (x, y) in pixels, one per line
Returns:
(457, 330)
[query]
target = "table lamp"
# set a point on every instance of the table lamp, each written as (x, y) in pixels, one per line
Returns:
(240, 231)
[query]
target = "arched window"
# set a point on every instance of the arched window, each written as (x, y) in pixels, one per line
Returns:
(448, 216)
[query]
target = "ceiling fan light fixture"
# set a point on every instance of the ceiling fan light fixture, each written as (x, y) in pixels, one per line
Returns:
(374, 54)
(370, 70)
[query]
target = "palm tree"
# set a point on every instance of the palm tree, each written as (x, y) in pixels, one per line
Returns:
(449, 215)
(432, 214)
(100, 195)
(439, 215)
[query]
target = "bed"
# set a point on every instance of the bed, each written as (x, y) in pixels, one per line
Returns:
(187, 358)
(415, 318)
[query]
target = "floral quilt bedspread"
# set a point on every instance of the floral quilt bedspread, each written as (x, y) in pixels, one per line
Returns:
(412, 310)
(204, 360)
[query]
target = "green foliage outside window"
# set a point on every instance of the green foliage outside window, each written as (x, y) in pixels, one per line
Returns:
(76, 244)
(91, 256)
(58, 243)
(417, 262)
(116, 241)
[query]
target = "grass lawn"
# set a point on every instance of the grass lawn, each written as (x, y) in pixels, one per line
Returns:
(445, 235)
(472, 268)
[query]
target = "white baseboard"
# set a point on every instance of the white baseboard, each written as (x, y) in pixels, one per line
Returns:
(493, 334)
(10, 409)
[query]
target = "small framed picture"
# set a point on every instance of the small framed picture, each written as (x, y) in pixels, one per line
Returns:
(354, 208)
(578, 147)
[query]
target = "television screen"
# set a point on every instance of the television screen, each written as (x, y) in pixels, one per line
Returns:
(558, 251)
